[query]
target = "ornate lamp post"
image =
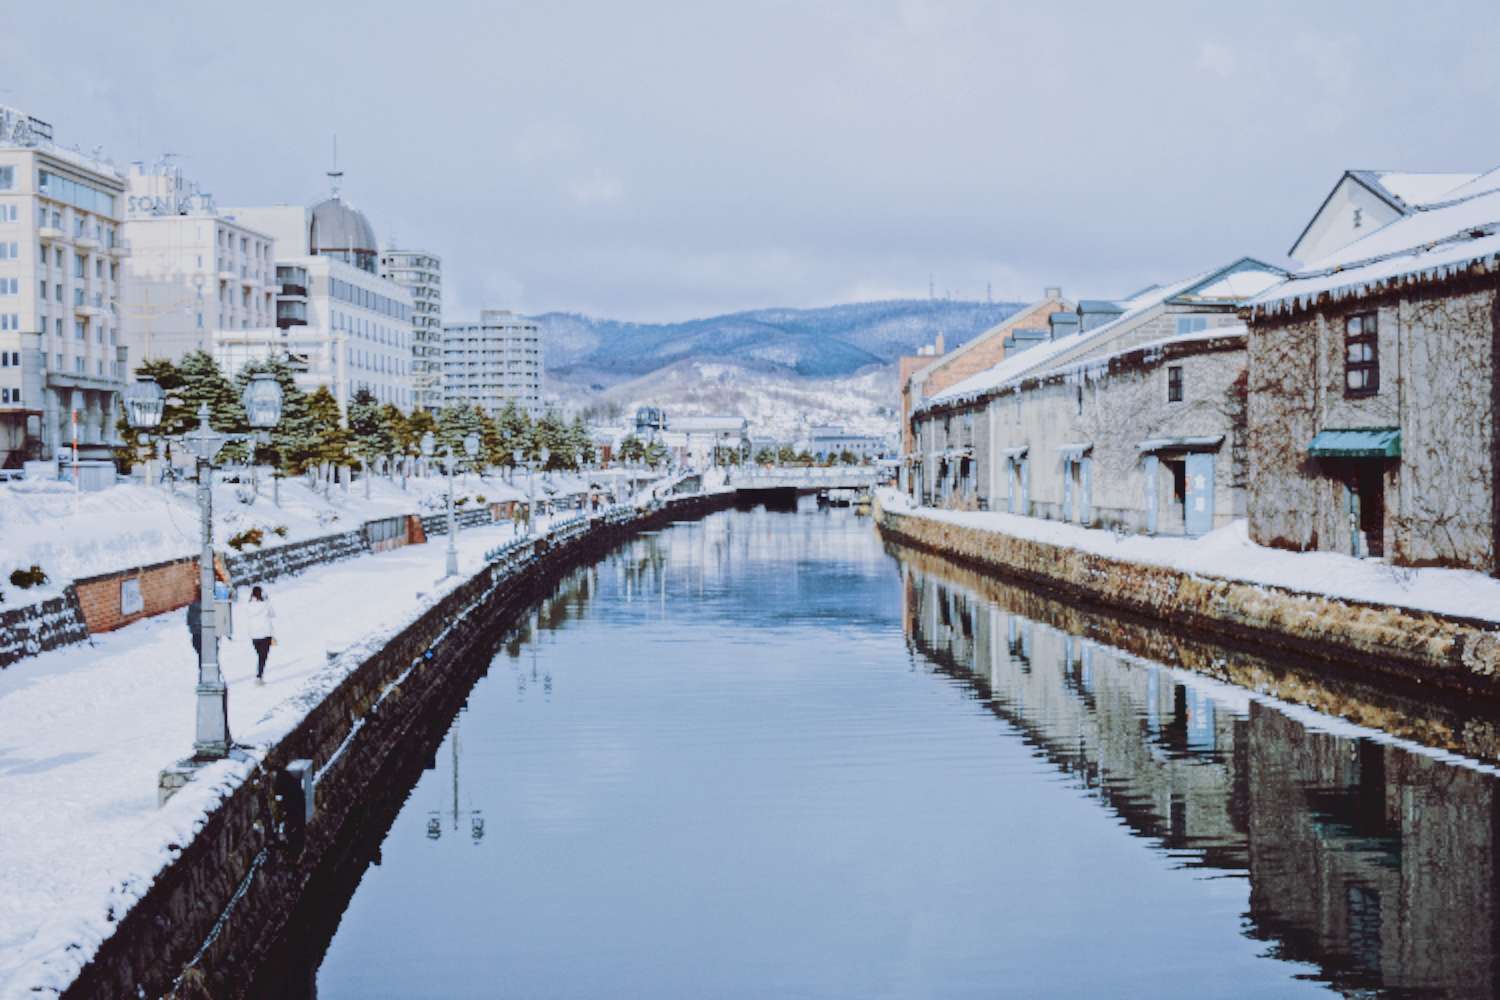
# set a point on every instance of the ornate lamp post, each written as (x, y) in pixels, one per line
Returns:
(143, 410)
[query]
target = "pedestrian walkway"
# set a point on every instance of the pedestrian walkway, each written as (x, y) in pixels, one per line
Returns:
(85, 730)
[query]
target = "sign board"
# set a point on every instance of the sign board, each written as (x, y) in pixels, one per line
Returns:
(131, 600)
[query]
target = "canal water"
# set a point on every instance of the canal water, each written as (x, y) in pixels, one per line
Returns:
(763, 754)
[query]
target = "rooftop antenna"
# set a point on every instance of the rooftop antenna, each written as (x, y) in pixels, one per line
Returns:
(931, 288)
(989, 293)
(335, 175)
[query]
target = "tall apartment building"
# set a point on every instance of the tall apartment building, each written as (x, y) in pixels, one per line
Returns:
(62, 354)
(338, 321)
(489, 363)
(422, 272)
(191, 271)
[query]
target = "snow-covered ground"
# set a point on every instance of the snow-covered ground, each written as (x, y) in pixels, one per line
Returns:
(72, 535)
(85, 731)
(1228, 553)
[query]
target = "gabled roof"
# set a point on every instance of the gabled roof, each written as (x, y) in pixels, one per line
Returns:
(1049, 353)
(1430, 242)
(1404, 191)
(1000, 329)
(1407, 190)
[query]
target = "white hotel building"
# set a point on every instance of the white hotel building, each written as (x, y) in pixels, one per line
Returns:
(192, 273)
(341, 323)
(62, 355)
(489, 363)
(422, 272)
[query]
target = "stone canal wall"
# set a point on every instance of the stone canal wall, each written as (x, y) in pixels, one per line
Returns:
(1427, 648)
(215, 910)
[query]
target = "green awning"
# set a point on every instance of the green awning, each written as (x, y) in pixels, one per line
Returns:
(1364, 442)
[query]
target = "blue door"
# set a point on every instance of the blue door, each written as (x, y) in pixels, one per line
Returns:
(1200, 492)
(1067, 489)
(1148, 465)
(1086, 494)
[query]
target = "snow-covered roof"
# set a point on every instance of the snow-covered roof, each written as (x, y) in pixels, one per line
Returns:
(1032, 359)
(1102, 362)
(1232, 284)
(1008, 325)
(1414, 189)
(1431, 242)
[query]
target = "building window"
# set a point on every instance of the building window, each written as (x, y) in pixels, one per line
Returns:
(1191, 324)
(1174, 383)
(7, 178)
(1361, 355)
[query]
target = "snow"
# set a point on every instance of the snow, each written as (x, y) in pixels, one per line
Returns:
(1229, 554)
(1102, 363)
(1417, 189)
(1033, 358)
(82, 738)
(1433, 242)
(73, 535)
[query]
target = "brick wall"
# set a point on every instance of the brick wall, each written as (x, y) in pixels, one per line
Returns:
(164, 586)
(987, 349)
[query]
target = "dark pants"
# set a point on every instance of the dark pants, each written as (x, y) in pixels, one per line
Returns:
(262, 650)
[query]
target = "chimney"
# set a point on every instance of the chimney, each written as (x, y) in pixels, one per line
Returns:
(1060, 324)
(937, 345)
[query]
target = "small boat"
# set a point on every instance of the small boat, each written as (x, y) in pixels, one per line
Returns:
(842, 497)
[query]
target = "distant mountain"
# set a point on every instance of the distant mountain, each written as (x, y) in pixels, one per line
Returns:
(807, 343)
(783, 369)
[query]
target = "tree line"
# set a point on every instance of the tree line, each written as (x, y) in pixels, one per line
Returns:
(315, 439)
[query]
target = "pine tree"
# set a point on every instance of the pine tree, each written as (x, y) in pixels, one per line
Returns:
(420, 423)
(655, 454)
(369, 435)
(396, 428)
(330, 445)
(203, 382)
(514, 431)
(580, 442)
(631, 449)
(550, 433)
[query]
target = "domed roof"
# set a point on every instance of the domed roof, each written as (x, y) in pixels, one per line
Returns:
(337, 226)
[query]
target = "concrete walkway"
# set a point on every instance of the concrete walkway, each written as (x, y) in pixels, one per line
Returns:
(84, 731)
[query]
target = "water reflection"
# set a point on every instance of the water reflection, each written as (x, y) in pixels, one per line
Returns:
(1374, 863)
(709, 765)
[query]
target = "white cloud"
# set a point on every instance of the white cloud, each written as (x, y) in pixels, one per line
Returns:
(1217, 59)
(598, 188)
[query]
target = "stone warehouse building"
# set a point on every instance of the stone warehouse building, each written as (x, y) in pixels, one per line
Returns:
(1373, 386)
(923, 376)
(1130, 415)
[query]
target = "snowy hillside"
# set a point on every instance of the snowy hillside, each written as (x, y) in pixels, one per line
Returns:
(816, 343)
(782, 368)
(777, 405)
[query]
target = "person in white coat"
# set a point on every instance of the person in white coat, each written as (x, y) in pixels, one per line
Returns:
(260, 626)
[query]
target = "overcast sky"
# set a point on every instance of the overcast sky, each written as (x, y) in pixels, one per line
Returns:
(648, 160)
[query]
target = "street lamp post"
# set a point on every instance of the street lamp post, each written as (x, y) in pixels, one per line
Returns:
(262, 401)
(520, 459)
(471, 448)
